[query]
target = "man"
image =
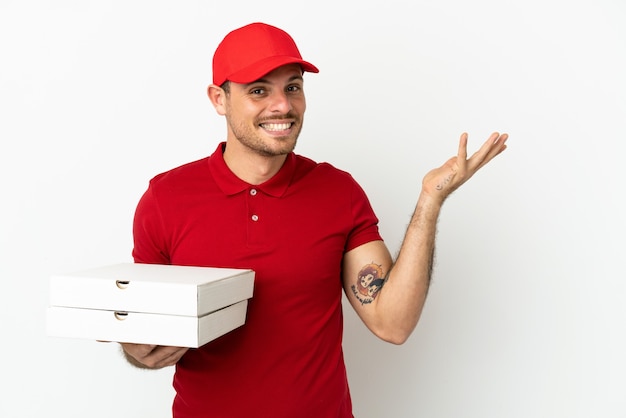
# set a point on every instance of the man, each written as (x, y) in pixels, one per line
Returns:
(306, 229)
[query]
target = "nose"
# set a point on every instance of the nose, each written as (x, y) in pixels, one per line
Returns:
(280, 102)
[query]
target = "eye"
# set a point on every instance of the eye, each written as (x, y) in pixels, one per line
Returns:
(257, 91)
(293, 88)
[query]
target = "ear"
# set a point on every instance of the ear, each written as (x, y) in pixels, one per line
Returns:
(218, 97)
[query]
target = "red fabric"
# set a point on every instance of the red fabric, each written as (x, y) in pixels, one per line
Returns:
(287, 360)
(248, 53)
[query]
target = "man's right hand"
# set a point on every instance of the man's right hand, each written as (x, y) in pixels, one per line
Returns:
(147, 356)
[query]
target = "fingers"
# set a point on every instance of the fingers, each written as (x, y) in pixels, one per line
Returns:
(153, 356)
(498, 144)
(442, 181)
(494, 145)
(164, 356)
(138, 350)
(462, 154)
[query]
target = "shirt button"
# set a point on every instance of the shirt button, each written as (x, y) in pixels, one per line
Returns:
(253, 192)
(255, 218)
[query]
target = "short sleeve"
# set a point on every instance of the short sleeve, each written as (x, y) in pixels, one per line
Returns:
(148, 231)
(365, 221)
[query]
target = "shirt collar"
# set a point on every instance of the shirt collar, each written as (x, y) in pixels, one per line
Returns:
(230, 184)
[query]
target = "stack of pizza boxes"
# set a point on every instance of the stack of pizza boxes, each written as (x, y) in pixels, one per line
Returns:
(180, 306)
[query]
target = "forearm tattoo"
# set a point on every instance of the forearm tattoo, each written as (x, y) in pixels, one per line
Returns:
(368, 283)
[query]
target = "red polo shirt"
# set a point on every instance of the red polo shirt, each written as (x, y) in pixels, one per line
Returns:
(292, 230)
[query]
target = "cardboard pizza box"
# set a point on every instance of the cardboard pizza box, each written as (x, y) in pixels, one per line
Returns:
(149, 303)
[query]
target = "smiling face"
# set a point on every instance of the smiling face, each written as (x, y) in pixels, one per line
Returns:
(366, 280)
(266, 115)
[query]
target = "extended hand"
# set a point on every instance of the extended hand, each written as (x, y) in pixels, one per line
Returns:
(441, 182)
(152, 356)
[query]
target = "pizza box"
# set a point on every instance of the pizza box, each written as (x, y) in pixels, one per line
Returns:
(152, 288)
(144, 328)
(149, 303)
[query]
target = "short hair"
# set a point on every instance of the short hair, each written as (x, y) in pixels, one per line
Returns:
(226, 87)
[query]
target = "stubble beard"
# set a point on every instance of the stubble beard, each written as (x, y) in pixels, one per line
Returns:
(263, 145)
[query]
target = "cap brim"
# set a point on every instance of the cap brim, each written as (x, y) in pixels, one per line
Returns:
(259, 69)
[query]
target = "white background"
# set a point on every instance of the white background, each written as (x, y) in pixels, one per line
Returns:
(526, 315)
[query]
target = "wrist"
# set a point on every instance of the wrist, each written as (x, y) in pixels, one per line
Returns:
(430, 203)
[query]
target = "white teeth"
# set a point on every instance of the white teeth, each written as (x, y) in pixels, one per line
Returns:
(276, 126)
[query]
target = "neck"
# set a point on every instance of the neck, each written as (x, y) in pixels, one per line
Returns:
(250, 166)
